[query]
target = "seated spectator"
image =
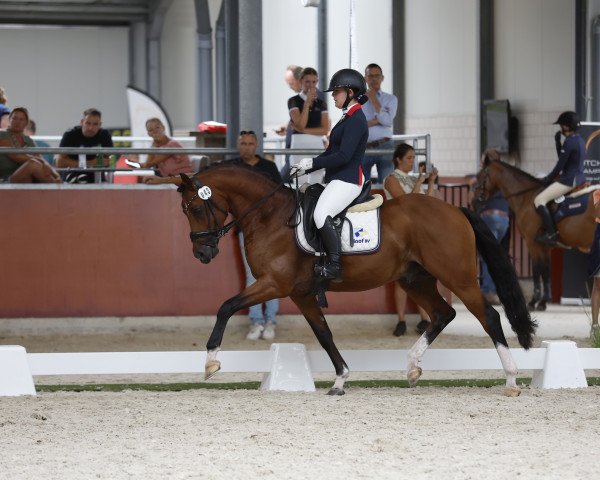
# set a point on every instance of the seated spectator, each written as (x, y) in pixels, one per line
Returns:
(30, 131)
(399, 183)
(88, 134)
(22, 167)
(4, 110)
(168, 164)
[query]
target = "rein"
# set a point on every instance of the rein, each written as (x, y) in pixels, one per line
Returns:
(214, 234)
(515, 194)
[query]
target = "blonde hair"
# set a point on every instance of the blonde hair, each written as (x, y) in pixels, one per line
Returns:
(3, 98)
(155, 119)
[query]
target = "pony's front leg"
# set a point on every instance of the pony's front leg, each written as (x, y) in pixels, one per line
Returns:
(314, 315)
(258, 292)
(439, 320)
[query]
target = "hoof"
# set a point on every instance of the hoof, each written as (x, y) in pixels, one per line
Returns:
(512, 392)
(336, 391)
(211, 368)
(413, 376)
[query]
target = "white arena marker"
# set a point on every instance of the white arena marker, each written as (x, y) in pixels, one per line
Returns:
(15, 376)
(290, 369)
(562, 366)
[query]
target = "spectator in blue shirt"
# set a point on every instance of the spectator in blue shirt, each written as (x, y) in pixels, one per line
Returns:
(380, 111)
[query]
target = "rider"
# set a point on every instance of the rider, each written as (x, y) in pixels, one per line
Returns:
(569, 168)
(342, 163)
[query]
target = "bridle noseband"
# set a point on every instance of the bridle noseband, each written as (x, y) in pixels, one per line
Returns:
(214, 234)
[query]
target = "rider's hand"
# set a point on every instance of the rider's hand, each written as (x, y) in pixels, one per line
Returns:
(557, 141)
(303, 165)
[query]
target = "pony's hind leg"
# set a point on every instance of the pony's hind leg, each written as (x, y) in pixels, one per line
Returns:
(422, 288)
(314, 315)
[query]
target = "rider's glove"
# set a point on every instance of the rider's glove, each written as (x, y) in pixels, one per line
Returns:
(303, 165)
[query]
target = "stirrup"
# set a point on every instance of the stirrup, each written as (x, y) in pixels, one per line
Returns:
(330, 271)
(548, 239)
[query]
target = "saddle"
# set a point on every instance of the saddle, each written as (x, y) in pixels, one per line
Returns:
(308, 197)
(574, 203)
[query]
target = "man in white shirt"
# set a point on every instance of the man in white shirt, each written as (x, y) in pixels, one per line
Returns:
(380, 111)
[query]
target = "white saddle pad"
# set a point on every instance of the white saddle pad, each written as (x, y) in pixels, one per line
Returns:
(366, 232)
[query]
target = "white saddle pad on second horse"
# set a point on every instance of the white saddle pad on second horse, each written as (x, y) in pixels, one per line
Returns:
(360, 235)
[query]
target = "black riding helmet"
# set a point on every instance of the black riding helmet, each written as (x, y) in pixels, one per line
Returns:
(569, 119)
(347, 78)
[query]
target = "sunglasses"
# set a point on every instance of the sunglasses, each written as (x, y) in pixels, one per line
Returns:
(247, 132)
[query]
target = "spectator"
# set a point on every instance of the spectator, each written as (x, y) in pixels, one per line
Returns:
(594, 267)
(4, 113)
(88, 134)
(168, 164)
(22, 167)
(262, 324)
(30, 131)
(399, 183)
(4, 110)
(380, 111)
(308, 112)
(495, 214)
(309, 118)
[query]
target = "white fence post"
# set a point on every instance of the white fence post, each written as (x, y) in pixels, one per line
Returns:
(15, 376)
(562, 366)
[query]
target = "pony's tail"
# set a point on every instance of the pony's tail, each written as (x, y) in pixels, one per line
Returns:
(505, 278)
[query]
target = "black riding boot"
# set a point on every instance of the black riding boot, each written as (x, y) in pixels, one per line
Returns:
(332, 243)
(550, 236)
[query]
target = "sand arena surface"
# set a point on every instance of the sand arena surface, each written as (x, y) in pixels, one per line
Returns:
(426, 432)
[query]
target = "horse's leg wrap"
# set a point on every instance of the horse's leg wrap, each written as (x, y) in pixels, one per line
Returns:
(413, 371)
(510, 369)
(212, 365)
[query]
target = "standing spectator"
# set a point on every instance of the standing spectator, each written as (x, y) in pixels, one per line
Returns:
(495, 214)
(309, 118)
(262, 323)
(88, 134)
(594, 267)
(293, 75)
(399, 183)
(30, 132)
(308, 112)
(22, 167)
(4, 110)
(380, 111)
(168, 164)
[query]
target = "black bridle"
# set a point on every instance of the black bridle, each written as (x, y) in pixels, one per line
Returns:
(214, 232)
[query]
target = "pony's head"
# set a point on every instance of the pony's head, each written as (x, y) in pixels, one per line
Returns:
(206, 212)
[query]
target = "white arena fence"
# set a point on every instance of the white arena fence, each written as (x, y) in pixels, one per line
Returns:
(289, 366)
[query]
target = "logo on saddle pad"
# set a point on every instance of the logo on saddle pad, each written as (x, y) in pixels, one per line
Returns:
(361, 233)
(361, 236)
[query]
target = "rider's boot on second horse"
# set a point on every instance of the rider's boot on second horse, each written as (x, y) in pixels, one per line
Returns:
(332, 269)
(550, 235)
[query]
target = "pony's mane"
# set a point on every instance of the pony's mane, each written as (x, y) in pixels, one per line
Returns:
(518, 171)
(257, 177)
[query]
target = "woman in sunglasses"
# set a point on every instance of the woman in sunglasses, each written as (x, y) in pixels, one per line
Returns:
(342, 163)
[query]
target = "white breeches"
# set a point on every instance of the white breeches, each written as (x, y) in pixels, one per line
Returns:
(552, 191)
(336, 196)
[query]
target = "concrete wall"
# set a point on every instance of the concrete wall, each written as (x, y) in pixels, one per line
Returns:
(57, 72)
